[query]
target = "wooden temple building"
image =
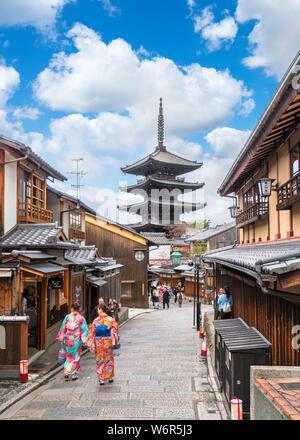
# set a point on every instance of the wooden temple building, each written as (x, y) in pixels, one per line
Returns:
(161, 186)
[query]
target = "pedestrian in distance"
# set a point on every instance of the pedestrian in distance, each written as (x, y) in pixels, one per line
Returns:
(95, 310)
(166, 298)
(220, 292)
(175, 292)
(103, 336)
(225, 303)
(155, 298)
(73, 334)
(180, 299)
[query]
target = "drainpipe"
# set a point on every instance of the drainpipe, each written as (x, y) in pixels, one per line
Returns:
(15, 160)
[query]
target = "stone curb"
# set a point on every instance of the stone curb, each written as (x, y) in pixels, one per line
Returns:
(40, 382)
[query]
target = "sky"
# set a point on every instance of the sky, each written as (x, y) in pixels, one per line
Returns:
(83, 79)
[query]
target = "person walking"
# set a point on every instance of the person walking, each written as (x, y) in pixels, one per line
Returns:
(180, 299)
(95, 310)
(175, 292)
(166, 297)
(103, 336)
(115, 310)
(225, 303)
(73, 334)
(155, 298)
(220, 292)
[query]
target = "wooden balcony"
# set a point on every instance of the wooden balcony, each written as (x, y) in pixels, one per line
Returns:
(252, 214)
(289, 193)
(76, 234)
(29, 213)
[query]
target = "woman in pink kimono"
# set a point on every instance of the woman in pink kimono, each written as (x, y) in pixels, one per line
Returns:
(102, 337)
(73, 334)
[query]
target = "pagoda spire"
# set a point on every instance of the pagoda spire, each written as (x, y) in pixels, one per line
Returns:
(161, 127)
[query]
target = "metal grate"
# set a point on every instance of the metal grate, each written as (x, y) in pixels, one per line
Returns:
(290, 386)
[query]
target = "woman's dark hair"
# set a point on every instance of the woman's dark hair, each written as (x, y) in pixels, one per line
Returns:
(102, 307)
(227, 291)
(75, 305)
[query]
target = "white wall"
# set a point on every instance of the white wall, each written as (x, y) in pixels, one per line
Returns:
(162, 253)
(10, 194)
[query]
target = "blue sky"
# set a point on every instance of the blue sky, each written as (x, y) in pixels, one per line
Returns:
(83, 78)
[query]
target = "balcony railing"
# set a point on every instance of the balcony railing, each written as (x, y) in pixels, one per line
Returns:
(252, 214)
(29, 213)
(289, 193)
(76, 234)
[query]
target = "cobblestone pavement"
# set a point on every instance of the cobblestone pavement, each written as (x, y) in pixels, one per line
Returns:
(159, 375)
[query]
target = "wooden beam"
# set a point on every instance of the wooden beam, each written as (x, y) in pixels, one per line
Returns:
(289, 279)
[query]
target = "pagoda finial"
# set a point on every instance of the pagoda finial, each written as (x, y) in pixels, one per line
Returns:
(161, 127)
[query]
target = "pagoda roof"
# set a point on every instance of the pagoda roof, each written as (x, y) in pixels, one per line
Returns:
(149, 227)
(161, 158)
(155, 182)
(187, 205)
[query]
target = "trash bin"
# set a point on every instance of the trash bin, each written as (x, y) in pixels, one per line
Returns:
(222, 327)
(13, 345)
(240, 351)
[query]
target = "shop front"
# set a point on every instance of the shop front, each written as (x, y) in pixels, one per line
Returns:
(44, 299)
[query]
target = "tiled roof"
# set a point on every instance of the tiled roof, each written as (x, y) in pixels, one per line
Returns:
(160, 238)
(71, 198)
(211, 232)
(35, 236)
(84, 252)
(282, 256)
(31, 154)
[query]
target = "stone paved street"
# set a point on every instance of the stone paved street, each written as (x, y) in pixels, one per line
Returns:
(159, 375)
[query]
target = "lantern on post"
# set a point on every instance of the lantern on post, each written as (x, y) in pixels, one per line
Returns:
(236, 409)
(234, 211)
(265, 187)
(176, 257)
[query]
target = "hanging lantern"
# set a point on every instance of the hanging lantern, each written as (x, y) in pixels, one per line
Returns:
(234, 211)
(236, 409)
(197, 260)
(265, 187)
(176, 257)
(204, 348)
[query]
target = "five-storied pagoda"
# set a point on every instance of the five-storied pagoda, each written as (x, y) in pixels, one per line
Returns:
(161, 187)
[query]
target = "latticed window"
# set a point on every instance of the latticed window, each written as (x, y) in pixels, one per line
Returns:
(75, 220)
(38, 191)
(294, 161)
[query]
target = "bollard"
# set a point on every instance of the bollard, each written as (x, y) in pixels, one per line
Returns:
(204, 348)
(201, 333)
(23, 371)
(236, 409)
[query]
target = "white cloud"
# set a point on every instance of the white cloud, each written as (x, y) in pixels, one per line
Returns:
(9, 82)
(26, 113)
(109, 7)
(215, 33)
(40, 14)
(274, 40)
(226, 143)
(101, 77)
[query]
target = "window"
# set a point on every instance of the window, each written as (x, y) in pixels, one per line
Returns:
(38, 185)
(248, 199)
(294, 161)
(75, 220)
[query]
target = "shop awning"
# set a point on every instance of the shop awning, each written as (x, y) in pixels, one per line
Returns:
(43, 268)
(95, 281)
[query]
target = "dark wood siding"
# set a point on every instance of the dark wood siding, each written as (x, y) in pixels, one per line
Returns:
(273, 316)
(110, 244)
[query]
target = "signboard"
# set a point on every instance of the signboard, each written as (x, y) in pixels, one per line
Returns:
(56, 283)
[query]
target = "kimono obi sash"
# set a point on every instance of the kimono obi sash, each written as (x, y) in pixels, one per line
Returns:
(102, 331)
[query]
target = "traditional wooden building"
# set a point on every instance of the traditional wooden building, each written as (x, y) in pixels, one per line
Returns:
(263, 269)
(161, 188)
(69, 212)
(130, 249)
(23, 176)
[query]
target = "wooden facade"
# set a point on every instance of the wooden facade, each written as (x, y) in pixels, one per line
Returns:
(115, 241)
(272, 315)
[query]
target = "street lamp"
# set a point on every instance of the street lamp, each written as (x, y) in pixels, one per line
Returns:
(176, 257)
(234, 211)
(198, 310)
(265, 187)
